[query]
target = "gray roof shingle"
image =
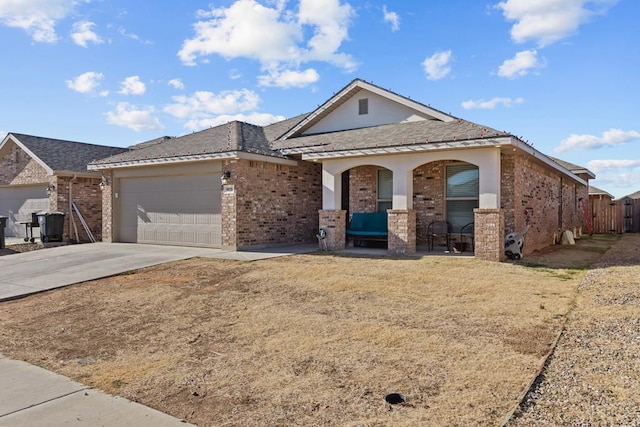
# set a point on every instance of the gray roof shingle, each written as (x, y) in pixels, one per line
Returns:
(62, 155)
(233, 136)
(397, 134)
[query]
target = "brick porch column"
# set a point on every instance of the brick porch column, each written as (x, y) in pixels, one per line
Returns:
(402, 231)
(489, 231)
(335, 224)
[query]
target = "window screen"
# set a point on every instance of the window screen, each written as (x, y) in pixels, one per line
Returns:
(462, 194)
(385, 190)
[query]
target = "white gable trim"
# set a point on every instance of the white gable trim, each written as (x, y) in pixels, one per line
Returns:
(349, 91)
(12, 138)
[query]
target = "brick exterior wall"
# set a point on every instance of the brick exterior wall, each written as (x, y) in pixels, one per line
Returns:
(271, 203)
(107, 208)
(402, 232)
(550, 199)
(428, 197)
(489, 231)
(363, 189)
(335, 224)
(17, 167)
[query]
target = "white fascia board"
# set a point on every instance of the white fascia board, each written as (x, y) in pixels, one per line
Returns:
(192, 158)
(398, 149)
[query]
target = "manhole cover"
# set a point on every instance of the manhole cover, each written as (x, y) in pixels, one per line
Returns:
(395, 398)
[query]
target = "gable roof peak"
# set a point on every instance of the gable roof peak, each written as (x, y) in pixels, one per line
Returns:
(349, 91)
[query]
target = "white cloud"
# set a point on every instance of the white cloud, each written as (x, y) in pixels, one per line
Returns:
(176, 84)
(123, 32)
(132, 86)
(132, 117)
(609, 138)
(204, 104)
(289, 78)
(520, 65)
(437, 65)
(37, 17)
(547, 21)
(273, 36)
(492, 103)
(392, 18)
(260, 119)
(83, 33)
(608, 165)
(87, 83)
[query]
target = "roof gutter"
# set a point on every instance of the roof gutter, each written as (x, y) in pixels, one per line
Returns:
(500, 142)
(228, 155)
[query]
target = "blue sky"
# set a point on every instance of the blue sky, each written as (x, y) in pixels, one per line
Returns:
(562, 74)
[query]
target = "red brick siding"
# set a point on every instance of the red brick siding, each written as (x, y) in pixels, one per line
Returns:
(271, 204)
(363, 189)
(428, 197)
(334, 223)
(402, 232)
(23, 171)
(86, 193)
(539, 190)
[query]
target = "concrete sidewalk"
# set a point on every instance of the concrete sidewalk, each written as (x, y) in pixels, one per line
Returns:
(31, 396)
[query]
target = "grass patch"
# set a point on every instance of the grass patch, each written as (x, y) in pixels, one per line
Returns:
(305, 340)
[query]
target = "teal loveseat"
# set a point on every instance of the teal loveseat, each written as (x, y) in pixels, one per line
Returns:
(367, 226)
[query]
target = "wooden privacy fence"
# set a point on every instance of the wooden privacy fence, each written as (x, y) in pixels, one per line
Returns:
(620, 216)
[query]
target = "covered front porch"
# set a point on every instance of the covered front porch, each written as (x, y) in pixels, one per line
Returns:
(415, 190)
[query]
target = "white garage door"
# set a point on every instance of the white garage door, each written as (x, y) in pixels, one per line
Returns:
(171, 210)
(17, 204)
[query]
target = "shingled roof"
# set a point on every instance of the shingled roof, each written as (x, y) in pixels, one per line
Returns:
(231, 137)
(391, 135)
(61, 155)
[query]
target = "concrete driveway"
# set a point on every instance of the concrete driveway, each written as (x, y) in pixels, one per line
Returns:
(36, 271)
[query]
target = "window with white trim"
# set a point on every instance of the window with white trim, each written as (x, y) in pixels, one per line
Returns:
(462, 194)
(385, 190)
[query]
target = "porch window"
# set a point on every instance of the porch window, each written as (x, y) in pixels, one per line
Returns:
(462, 194)
(385, 190)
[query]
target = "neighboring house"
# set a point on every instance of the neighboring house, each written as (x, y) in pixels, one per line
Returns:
(630, 212)
(44, 174)
(366, 149)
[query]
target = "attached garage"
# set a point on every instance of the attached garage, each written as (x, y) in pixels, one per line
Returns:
(182, 210)
(17, 203)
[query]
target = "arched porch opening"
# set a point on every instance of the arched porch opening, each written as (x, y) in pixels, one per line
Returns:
(446, 191)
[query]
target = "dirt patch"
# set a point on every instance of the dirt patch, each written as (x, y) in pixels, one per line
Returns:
(304, 340)
(20, 247)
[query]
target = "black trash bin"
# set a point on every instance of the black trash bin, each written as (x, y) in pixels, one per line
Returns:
(3, 225)
(51, 226)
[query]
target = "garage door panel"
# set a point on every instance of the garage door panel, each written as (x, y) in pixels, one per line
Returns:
(18, 203)
(174, 210)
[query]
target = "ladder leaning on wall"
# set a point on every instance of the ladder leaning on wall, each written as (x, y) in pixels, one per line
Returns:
(84, 223)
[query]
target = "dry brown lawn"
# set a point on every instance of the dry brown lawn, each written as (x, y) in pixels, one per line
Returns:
(309, 340)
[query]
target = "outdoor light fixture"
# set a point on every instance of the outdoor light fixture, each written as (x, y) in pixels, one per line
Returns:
(51, 188)
(225, 177)
(103, 183)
